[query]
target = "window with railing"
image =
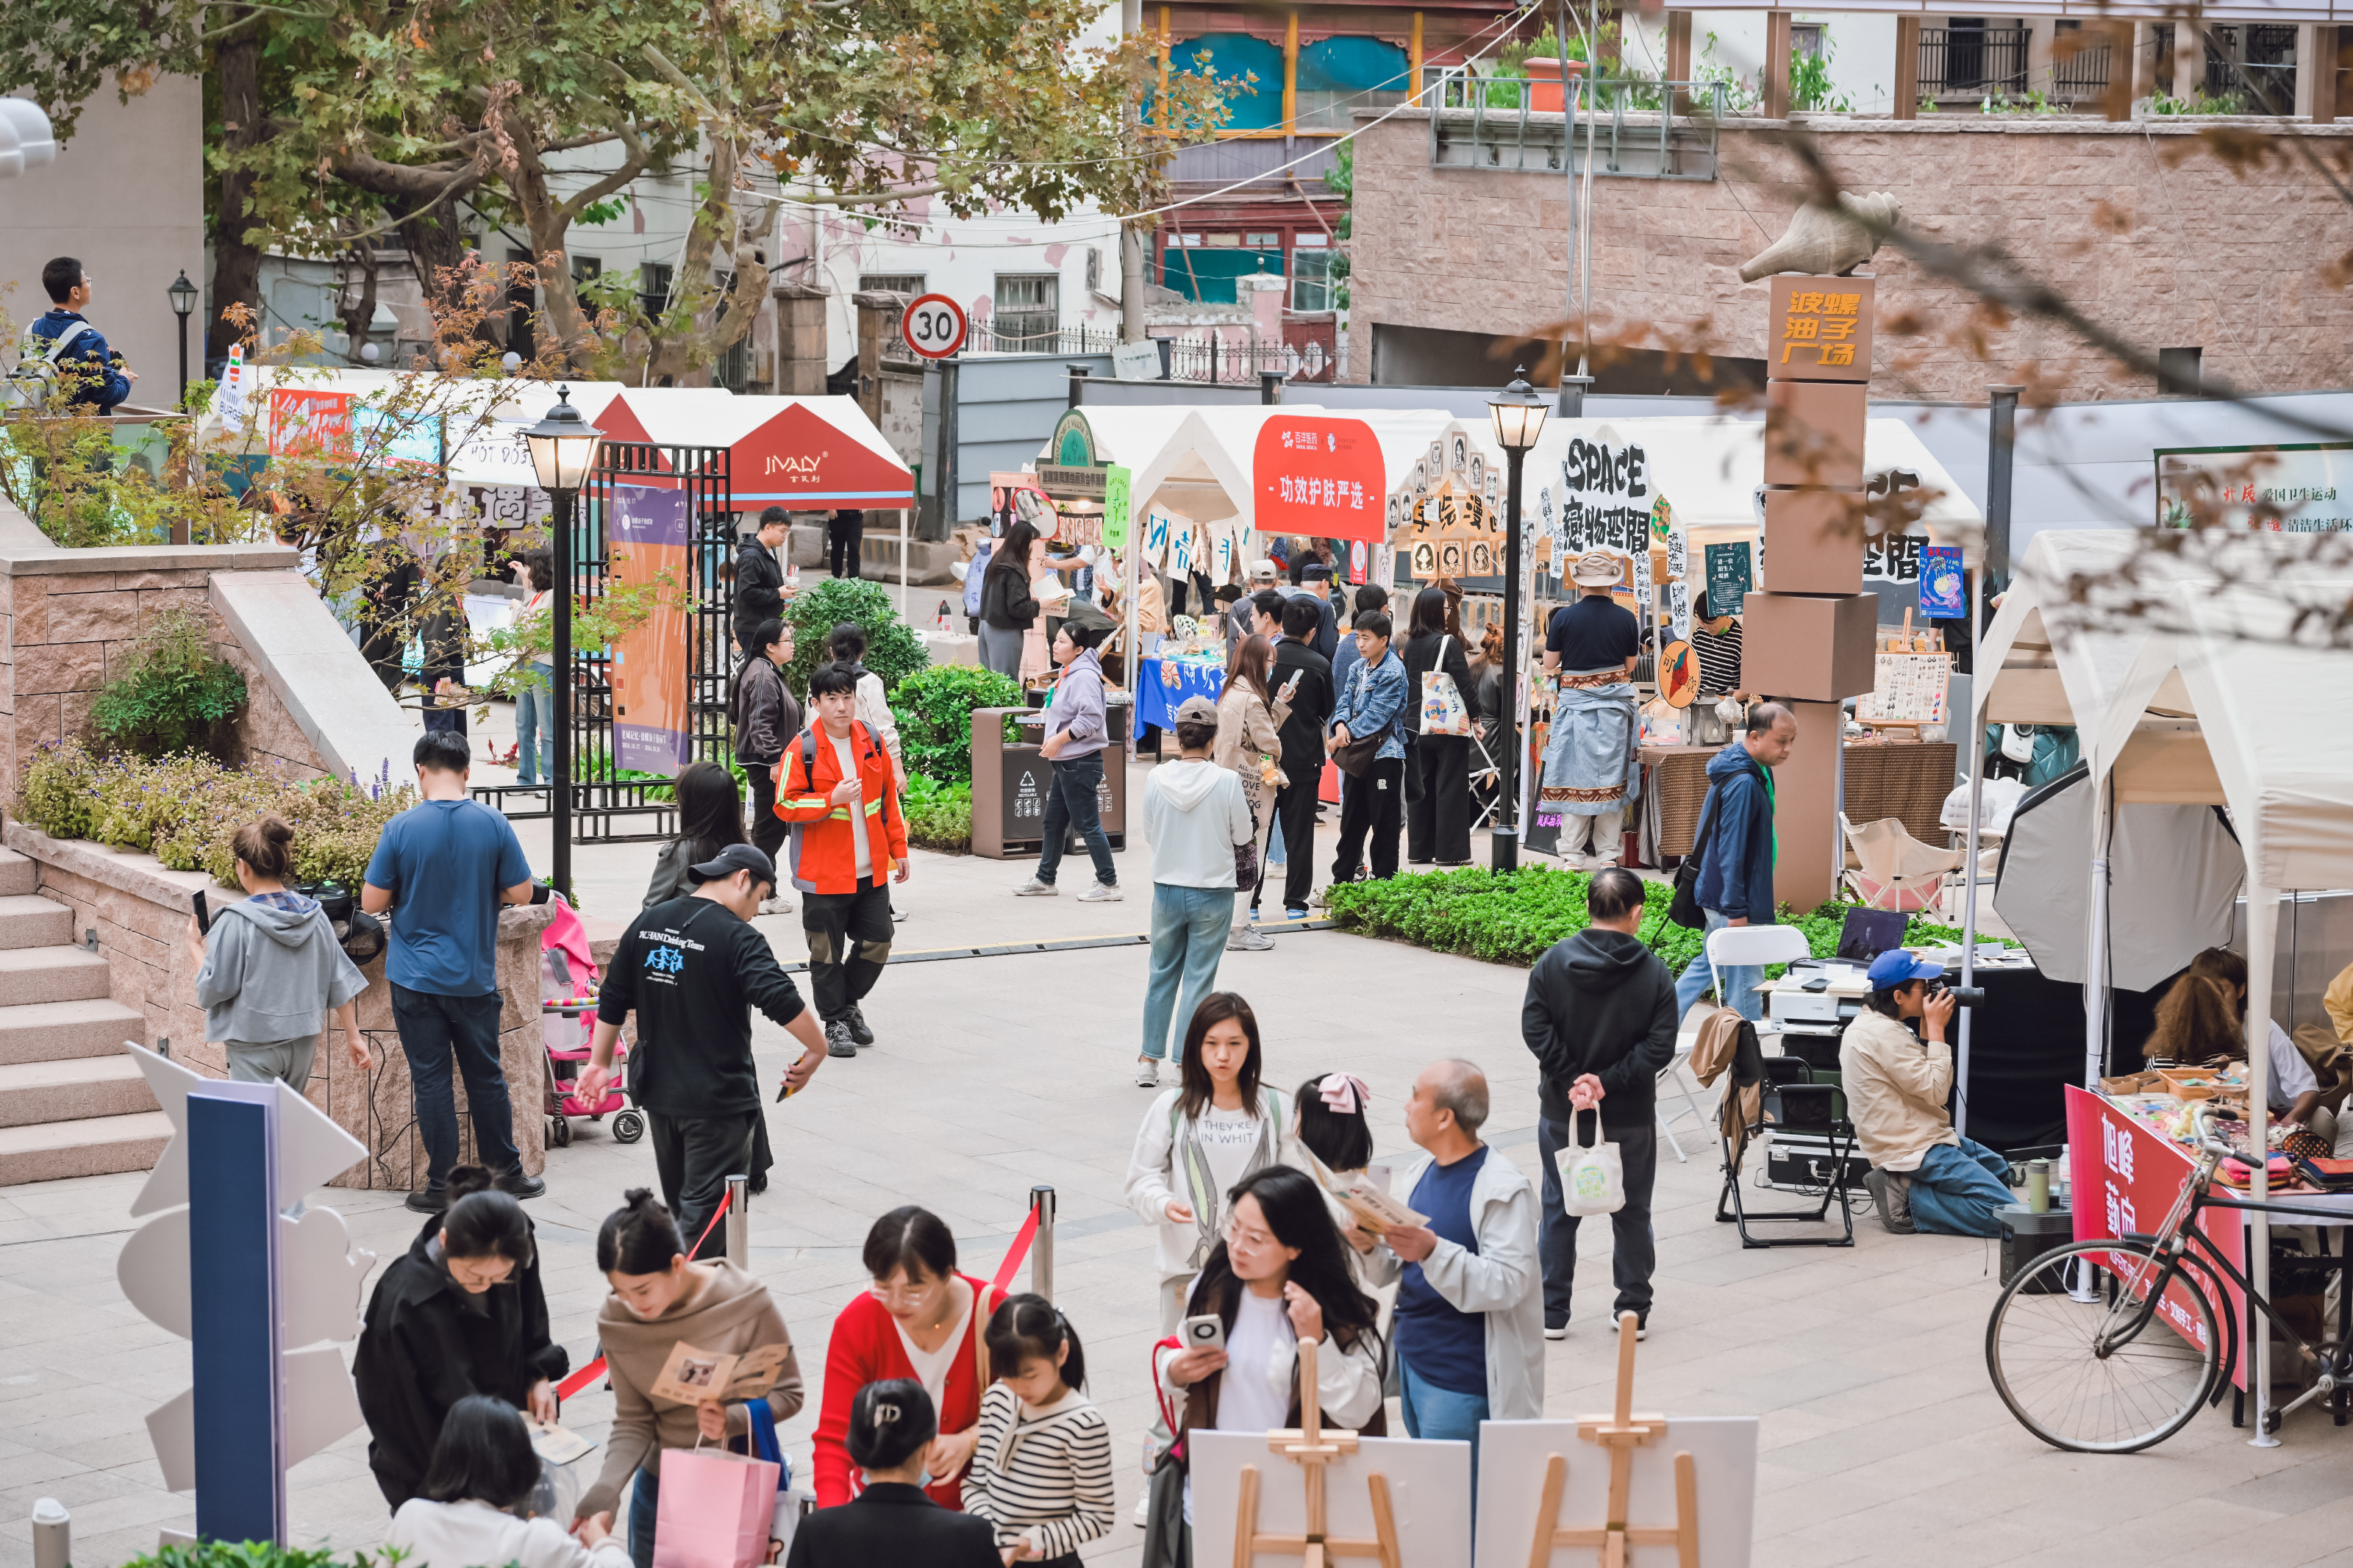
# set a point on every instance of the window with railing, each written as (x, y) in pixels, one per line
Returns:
(2079, 63)
(1969, 59)
(1310, 280)
(653, 287)
(1028, 308)
(907, 283)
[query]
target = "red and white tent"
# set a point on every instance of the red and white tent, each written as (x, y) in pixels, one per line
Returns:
(800, 452)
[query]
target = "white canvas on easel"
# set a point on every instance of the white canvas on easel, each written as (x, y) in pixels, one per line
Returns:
(1430, 1497)
(1511, 1459)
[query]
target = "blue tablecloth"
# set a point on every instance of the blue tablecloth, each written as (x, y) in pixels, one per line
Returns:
(1157, 700)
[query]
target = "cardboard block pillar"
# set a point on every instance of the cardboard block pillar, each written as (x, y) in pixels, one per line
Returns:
(1812, 630)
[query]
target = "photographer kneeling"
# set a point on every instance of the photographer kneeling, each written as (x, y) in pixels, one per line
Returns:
(1924, 1175)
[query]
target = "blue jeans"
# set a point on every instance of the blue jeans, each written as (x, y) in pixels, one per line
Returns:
(535, 720)
(1959, 1191)
(1440, 1415)
(1071, 802)
(645, 1504)
(1740, 983)
(1190, 927)
(436, 1030)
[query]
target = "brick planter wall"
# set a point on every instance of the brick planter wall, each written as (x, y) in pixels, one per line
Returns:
(141, 911)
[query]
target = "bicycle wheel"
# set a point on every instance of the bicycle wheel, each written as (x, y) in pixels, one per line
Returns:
(2110, 1375)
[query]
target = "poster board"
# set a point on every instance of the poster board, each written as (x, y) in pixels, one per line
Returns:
(1429, 1493)
(650, 533)
(1905, 689)
(1512, 1457)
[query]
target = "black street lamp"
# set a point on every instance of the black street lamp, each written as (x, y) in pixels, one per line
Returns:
(563, 455)
(183, 304)
(1519, 416)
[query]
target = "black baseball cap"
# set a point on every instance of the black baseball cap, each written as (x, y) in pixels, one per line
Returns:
(1315, 571)
(733, 858)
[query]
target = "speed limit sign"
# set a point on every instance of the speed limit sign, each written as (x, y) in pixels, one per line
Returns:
(933, 326)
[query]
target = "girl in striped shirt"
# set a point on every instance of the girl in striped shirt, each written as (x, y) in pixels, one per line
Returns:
(1041, 1471)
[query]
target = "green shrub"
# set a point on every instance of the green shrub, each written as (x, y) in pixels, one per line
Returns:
(934, 707)
(939, 815)
(173, 693)
(252, 1554)
(892, 651)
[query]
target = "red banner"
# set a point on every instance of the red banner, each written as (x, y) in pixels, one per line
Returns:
(2125, 1181)
(1319, 476)
(307, 424)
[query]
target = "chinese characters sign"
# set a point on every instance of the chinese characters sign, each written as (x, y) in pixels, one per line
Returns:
(1820, 328)
(1605, 499)
(1319, 476)
(2286, 490)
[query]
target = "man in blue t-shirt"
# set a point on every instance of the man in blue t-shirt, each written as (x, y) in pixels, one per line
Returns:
(444, 866)
(1468, 1330)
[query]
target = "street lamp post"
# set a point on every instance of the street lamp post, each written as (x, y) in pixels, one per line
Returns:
(183, 304)
(563, 455)
(1519, 416)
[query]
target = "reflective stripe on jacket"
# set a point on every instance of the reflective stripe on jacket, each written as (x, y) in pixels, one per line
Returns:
(805, 785)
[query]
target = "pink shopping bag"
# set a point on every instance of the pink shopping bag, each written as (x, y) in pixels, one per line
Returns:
(716, 1509)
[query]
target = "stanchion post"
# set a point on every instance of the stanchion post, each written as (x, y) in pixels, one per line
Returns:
(739, 1221)
(1041, 1246)
(52, 1528)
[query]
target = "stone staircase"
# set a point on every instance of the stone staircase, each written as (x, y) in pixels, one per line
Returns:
(71, 1100)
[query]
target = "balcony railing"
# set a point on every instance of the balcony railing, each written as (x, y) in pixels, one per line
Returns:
(1974, 61)
(983, 338)
(2081, 75)
(1493, 123)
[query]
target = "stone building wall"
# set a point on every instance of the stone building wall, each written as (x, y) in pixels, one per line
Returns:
(2141, 224)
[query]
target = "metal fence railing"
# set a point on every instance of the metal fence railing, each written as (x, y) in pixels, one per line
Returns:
(1973, 61)
(2254, 61)
(2079, 76)
(983, 338)
(1519, 125)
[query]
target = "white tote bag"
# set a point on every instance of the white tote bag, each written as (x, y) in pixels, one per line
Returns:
(1592, 1178)
(1442, 712)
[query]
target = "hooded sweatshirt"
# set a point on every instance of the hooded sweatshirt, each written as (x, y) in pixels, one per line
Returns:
(1195, 813)
(733, 1313)
(1735, 869)
(272, 970)
(1600, 1002)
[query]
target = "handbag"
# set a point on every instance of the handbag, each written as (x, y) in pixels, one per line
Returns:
(716, 1509)
(1684, 907)
(1443, 711)
(1592, 1176)
(1358, 756)
(792, 1507)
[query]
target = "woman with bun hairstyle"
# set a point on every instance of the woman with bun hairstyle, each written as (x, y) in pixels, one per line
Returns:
(889, 1432)
(269, 971)
(484, 1475)
(658, 1299)
(923, 1320)
(460, 1313)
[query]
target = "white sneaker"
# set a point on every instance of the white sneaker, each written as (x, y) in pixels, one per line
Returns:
(1147, 1072)
(775, 906)
(1559, 1334)
(1248, 939)
(1034, 888)
(1101, 893)
(1143, 1515)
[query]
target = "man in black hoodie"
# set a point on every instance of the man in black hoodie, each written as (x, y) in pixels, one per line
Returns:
(1600, 1020)
(759, 581)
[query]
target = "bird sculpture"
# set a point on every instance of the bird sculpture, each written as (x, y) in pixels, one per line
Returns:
(1825, 241)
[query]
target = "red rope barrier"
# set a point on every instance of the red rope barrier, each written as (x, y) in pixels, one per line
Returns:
(1021, 1240)
(596, 1368)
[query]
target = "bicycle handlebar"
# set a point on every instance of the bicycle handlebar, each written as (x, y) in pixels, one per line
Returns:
(2204, 1139)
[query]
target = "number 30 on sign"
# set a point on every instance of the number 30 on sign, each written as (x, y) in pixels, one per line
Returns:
(933, 326)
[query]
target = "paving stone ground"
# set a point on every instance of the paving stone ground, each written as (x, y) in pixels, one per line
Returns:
(1882, 1439)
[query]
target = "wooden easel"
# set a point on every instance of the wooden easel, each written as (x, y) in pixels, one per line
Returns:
(1310, 1449)
(1621, 1434)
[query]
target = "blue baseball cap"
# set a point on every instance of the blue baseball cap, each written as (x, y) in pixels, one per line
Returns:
(1896, 966)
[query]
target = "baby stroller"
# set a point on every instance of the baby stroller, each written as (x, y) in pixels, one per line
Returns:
(567, 990)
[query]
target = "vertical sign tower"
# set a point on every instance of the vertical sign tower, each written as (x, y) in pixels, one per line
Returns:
(1812, 630)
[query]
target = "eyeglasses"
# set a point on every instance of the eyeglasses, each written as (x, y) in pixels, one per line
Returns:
(903, 1294)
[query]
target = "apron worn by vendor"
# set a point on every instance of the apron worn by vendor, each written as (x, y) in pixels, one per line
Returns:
(1591, 774)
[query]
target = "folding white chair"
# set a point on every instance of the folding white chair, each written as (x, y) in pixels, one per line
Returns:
(1733, 947)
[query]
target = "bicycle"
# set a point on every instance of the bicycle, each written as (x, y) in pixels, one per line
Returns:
(2070, 1347)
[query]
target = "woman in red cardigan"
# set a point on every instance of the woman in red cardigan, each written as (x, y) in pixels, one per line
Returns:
(922, 1320)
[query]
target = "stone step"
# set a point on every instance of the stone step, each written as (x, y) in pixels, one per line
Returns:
(27, 920)
(51, 974)
(90, 1146)
(59, 1031)
(18, 873)
(76, 1088)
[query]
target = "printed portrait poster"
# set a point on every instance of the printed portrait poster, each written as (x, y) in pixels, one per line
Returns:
(648, 530)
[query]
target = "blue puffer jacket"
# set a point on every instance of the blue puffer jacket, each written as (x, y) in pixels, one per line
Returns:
(87, 367)
(1736, 870)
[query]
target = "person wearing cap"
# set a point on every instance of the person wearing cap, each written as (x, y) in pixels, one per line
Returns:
(1924, 1175)
(1591, 772)
(1316, 582)
(1078, 729)
(837, 785)
(1196, 815)
(693, 968)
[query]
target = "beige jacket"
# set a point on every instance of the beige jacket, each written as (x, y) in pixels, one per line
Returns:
(733, 1313)
(1248, 744)
(1896, 1084)
(2337, 1001)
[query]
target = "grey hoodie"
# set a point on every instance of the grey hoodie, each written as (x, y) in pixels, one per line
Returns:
(272, 974)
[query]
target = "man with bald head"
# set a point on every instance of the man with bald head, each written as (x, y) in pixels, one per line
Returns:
(1469, 1331)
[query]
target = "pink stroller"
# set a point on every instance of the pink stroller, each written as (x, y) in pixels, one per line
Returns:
(567, 990)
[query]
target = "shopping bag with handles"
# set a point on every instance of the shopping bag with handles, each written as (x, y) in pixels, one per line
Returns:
(1592, 1178)
(716, 1509)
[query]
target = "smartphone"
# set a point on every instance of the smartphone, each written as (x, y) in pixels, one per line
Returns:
(204, 915)
(1203, 1333)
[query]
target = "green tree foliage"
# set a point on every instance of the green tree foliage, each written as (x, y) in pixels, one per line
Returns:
(934, 710)
(892, 651)
(173, 693)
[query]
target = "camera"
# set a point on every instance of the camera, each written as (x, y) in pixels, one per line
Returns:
(1962, 995)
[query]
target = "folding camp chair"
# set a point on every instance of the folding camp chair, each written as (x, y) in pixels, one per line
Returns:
(1895, 871)
(1485, 771)
(1785, 1102)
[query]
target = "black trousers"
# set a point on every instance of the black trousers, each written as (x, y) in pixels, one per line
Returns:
(1633, 1249)
(1294, 808)
(769, 831)
(694, 1157)
(849, 941)
(1438, 809)
(1373, 803)
(842, 540)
